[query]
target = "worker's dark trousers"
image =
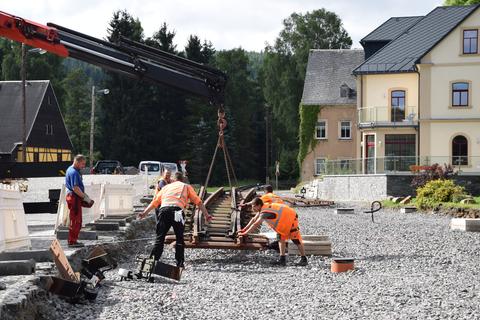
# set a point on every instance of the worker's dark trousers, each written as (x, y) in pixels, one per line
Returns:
(165, 220)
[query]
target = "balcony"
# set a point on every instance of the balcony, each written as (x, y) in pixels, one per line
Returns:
(396, 165)
(371, 117)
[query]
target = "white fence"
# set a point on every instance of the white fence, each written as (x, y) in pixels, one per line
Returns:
(117, 200)
(13, 225)
(110, 200)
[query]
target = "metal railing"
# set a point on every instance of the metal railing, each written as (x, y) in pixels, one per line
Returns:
(383, 115)
(395, 165)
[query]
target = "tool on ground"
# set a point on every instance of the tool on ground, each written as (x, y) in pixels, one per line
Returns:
(147, 267)
(75, 285)
(372, 210)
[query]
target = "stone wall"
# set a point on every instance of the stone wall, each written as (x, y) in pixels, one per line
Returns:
(374, 187)
(348, 188)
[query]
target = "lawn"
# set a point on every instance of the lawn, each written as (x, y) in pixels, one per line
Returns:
(391, 204)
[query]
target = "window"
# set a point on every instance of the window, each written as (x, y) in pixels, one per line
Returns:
(460, 94)
(470, 41)
(460, 151)
(398, 105)
(345, 129)
(320, 166)
(399, 152)
(321, 130)
(49, 129)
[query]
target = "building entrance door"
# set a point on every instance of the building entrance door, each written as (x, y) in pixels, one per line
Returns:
(369, 153)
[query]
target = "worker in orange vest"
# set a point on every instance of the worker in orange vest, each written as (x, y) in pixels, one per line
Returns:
(284, 221)
(172, 199)
(267, 197)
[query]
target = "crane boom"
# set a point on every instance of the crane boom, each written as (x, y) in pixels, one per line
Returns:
(128, 57)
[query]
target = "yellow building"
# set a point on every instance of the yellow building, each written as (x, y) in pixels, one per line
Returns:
(418, 92)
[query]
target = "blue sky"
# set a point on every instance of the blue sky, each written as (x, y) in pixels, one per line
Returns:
(228, 24)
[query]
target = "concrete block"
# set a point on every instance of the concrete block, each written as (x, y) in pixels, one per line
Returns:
(121, 222)
(37, 255)
(84, 235)
(472, 225)
(17, 267)
(104, 226)
(129, 218)
(344, 211)
(408, 209)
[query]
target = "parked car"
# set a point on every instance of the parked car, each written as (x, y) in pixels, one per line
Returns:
(107, 167)
(152, 167)
(172, 167)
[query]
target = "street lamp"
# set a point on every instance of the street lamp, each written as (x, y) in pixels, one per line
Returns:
(23, 72)
(92, 120)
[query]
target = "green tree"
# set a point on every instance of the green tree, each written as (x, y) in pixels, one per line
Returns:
(460, 2)
(38, 66)
(244, 107)
(163, 39)
(76, 109)
(283, 74)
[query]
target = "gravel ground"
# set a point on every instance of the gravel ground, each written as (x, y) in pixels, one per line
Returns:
(408, 266)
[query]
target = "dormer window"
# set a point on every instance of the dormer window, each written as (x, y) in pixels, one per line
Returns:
(470, 41)
(344, 91)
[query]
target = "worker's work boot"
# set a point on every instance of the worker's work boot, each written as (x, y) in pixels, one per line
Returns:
(282, 262)
(303, 262)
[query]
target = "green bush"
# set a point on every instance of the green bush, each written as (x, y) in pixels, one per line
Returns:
(439, 191)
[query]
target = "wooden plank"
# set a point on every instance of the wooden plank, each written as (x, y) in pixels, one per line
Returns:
(315, 237)
(62, 263)
(224, 245)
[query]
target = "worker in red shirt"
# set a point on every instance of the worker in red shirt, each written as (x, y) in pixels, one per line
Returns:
(284, 221)
(172, 199)
(76, 199)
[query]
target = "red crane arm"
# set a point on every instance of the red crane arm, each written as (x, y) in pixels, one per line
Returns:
(31, 33)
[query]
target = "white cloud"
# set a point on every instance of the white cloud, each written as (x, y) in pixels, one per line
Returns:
(227, 23)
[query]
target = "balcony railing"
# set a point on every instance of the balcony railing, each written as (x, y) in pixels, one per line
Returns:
(385, 116)
(395, 165)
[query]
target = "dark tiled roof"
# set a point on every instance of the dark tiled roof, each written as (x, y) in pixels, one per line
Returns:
(402, 53)
(11, 120)
(327, 70)
(391, 28)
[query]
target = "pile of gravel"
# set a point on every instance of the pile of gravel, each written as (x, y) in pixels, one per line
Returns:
(408, 266)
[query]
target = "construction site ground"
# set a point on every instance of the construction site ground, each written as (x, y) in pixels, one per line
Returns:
(407, 266)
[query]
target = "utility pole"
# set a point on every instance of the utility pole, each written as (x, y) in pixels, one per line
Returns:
(24, 104)
(92, 121)
(267, 178)
(92, 127)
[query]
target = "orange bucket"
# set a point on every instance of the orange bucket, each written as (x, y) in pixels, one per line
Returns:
(342, 265)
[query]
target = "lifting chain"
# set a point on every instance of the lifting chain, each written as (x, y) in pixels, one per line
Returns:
(222, 124)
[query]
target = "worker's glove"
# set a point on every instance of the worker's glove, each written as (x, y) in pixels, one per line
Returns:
(209, 218)
(86, 198)
(87, 202)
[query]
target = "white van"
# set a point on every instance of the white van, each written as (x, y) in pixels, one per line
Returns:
(170, 166)
(154, 168)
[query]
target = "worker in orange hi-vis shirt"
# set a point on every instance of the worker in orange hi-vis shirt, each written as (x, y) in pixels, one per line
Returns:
(284, 221)
(268, 197)
(172, 199)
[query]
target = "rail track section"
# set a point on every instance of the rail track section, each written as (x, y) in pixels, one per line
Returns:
(228, 219)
